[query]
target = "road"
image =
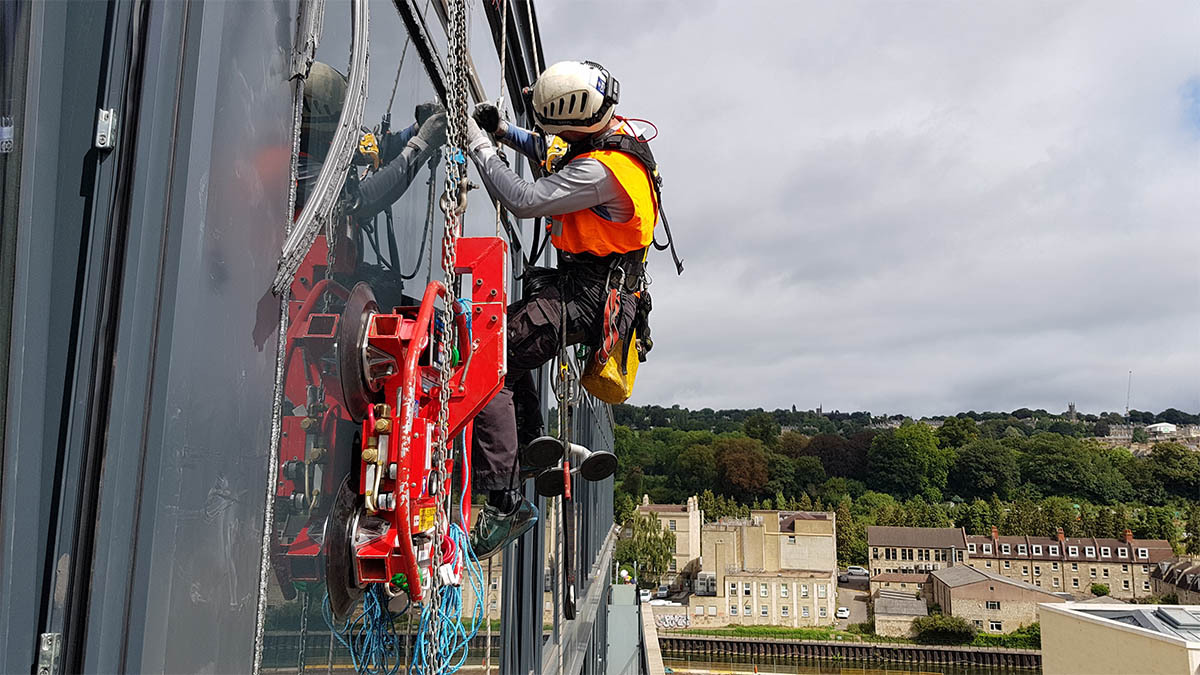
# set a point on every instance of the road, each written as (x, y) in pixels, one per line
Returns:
(853, 594)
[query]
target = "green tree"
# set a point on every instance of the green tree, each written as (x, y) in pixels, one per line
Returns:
(651, 545)
(632, 485)
(623, 507)
(1193, 529)
(983, 468)
(851, 536)
(793, 444)
(956, 432)
(1177, 468)
(696, 468)
(906, 462)
(742, 464)
(1140, 435)
(1099, 589)
(940, 629)
(763, 427)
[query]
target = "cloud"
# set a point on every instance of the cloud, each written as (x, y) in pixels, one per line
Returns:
(916, 207)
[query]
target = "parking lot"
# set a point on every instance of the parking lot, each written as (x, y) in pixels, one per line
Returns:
(853, 595)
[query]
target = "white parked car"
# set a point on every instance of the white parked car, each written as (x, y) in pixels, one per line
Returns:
(843, 613)
(644, 595)
(857, 571)
(664, 591)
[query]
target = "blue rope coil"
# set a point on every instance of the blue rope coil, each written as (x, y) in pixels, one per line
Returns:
(370, 637)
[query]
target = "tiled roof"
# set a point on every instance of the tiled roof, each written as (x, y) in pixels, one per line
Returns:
(787, 519)
(915, 537)
(898, 602)
(1156, 549)
(663, 508)
(1184, 574)
(962, 575)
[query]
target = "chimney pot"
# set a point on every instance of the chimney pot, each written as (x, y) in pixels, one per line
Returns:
(1128, 536)
(1061, 535)
(995, 533)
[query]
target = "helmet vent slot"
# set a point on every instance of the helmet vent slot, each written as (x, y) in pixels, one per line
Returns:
(561, 101)
(583, 102)
(571, 108)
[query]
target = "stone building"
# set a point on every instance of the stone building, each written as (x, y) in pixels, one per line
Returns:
(904, 583)
(895, 612)
(773, 568)
(1072, 564)
(685, 520)
(1180, 578)
(913, 550)
(993, 603)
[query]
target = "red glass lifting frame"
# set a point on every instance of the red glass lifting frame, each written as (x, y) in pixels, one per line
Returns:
(407, 430)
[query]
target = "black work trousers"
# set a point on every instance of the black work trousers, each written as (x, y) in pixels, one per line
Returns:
(514, 417)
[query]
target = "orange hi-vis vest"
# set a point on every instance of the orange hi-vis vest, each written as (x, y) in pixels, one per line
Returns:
(586, 232)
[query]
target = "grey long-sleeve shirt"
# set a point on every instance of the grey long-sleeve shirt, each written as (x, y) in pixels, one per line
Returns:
(581, 184)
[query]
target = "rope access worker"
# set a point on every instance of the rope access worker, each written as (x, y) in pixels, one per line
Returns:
(603, 208)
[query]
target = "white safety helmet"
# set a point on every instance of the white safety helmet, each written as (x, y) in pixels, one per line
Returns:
(574, 96)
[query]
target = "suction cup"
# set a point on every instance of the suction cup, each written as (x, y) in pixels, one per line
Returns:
(351, 343)
(600, 464)
(344, 592)
(549, 483)
(541, 452)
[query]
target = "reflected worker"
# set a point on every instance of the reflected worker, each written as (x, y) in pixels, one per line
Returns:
(602, 205)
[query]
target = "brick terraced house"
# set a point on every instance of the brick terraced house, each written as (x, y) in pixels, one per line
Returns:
(1072, 564)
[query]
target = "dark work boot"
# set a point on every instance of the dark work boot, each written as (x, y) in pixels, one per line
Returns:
(494, 530)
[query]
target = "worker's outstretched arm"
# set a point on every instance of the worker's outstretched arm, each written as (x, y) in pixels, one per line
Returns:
(581, 184)
(532, 145)
(377, 191)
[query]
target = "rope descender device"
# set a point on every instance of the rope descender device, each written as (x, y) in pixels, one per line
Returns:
(397, 533)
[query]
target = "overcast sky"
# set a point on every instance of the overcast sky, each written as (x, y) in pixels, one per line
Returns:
(916, 207)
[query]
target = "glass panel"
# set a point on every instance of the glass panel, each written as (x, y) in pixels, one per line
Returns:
(385, 248)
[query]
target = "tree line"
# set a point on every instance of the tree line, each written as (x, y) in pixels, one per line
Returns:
(957, 475)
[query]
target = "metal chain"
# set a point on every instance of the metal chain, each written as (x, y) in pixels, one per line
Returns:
(453, 205)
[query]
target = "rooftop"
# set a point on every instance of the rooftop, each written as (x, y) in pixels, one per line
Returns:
(916, 537)
(897, 577)
(962, 575)
(787, 519)
(1156, 549)
(663, 508)
(1173, 621)
(899, 602)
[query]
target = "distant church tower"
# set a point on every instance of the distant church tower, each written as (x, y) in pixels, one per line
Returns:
(1071, 412)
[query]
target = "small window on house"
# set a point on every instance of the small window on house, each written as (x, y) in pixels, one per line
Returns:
(1091, 551)
(783, 590)
(1037, 549)
(987, 548)
(1122, 552)
(733, 610)
(987, 564)
(995, 627)
(804, 590)
(746, 588)
(1125, 568)
(1008, 564)
(783, 611)
(1037, 570)
(804, 612)
(1105, 552)
(1125, 584)
(671, 525)
(993, 604)
(733, 588)
(762, 590)
(1075, 582)
(699, 611)
(1074, 567)
(823, 612)
(1092, 572)
(1024, 570)
(1143, 553)
(791, 539)
(978, 623)
(674, 565)
(971, 548)
(1073, 551)
(1145, 585)
(1021, 550)
(1055, 582)
(1053, 549)
(820, 590)
(1105, 571)
(762, 610)
(1054, 566)
(1145, 569)
(712, 610)
(1006, 549)
(749, 610)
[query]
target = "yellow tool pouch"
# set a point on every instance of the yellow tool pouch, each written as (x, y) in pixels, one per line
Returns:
(612, 382)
